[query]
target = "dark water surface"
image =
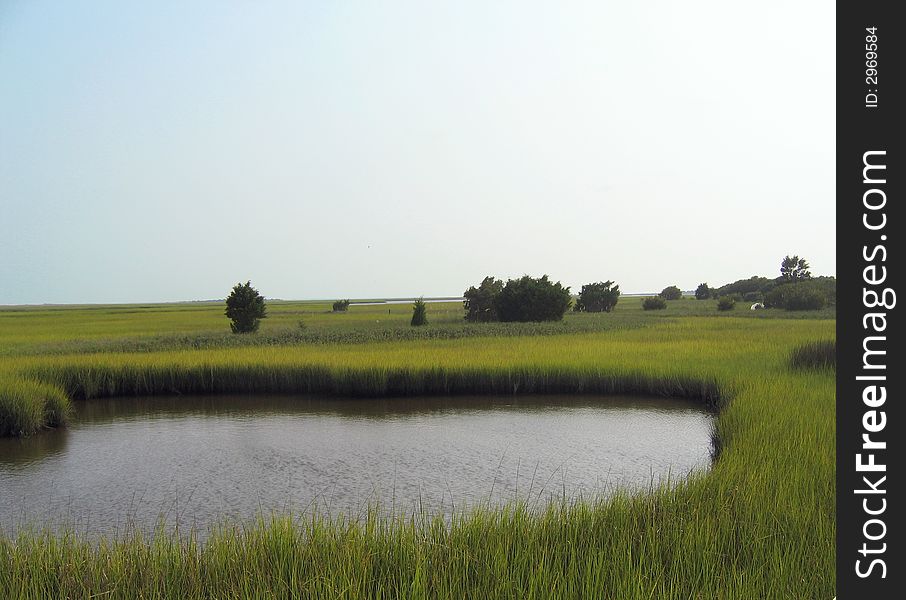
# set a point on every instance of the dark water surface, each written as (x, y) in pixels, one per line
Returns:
(197, 460)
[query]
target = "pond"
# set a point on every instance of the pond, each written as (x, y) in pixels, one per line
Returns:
(192, 461)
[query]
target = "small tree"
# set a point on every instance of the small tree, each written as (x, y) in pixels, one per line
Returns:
(654, 303)
(726, 303)
(341, 306)
(598, 297)
(419, 313)
(793, 268)
(702, 292)
(245, 307)
(671, 293)
(531, 299)
(479, 302)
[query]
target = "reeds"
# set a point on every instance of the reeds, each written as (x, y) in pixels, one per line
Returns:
(815, 355)
(27, 405)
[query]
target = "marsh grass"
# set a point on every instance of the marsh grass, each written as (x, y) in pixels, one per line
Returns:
(760, 524)
(27, 406)
(136, 328)
(815, 355)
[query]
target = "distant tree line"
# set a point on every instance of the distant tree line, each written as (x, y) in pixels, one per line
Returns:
(540, 299)
(794, 289)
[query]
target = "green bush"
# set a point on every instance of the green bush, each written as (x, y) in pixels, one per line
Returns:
(598, 297)
(479, 302)
(532, 299)
(245, 307)
(812, 294)
(419, 313)
(702, 292)
(654, 303)
(671, 293)
(804, 299)
(726, 303)
(341, 305)
(746, 286)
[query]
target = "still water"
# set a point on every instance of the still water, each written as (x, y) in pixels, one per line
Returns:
(194, 461)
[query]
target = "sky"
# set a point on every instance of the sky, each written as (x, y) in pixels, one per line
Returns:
(164, 151)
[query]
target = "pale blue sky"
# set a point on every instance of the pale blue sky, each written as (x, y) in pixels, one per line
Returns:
(164, 151)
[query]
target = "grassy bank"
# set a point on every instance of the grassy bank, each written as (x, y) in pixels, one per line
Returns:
(759, 525)
(27, 405)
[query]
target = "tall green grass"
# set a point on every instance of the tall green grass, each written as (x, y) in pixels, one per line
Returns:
(614, 550)
(27, 405)
(760, 524)
(815, 355)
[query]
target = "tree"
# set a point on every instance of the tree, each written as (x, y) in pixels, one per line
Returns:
(598, 297)
(531, 299)
(479, 302)
(341, 306)
(245, 307)
(793, 268)
(419, 313)
(671, 293)
(702, 292)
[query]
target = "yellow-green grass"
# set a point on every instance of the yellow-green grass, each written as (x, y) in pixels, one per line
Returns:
(27, 405)
(760, 524)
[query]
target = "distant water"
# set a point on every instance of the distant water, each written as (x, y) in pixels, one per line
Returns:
(409, 301)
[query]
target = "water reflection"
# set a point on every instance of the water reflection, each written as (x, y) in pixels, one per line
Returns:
(22, 452)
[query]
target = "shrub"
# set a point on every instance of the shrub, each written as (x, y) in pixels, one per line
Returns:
(341, 305)
(479, 302)
(826, 286)
(598, 297)
(745, 286)
(671, 293)
(798, 296)
(753, 297)
(726, 303)
(654, 303)
(803, 299)
(530, 299)
(419, 313)
(702, 292)
(245, 307)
